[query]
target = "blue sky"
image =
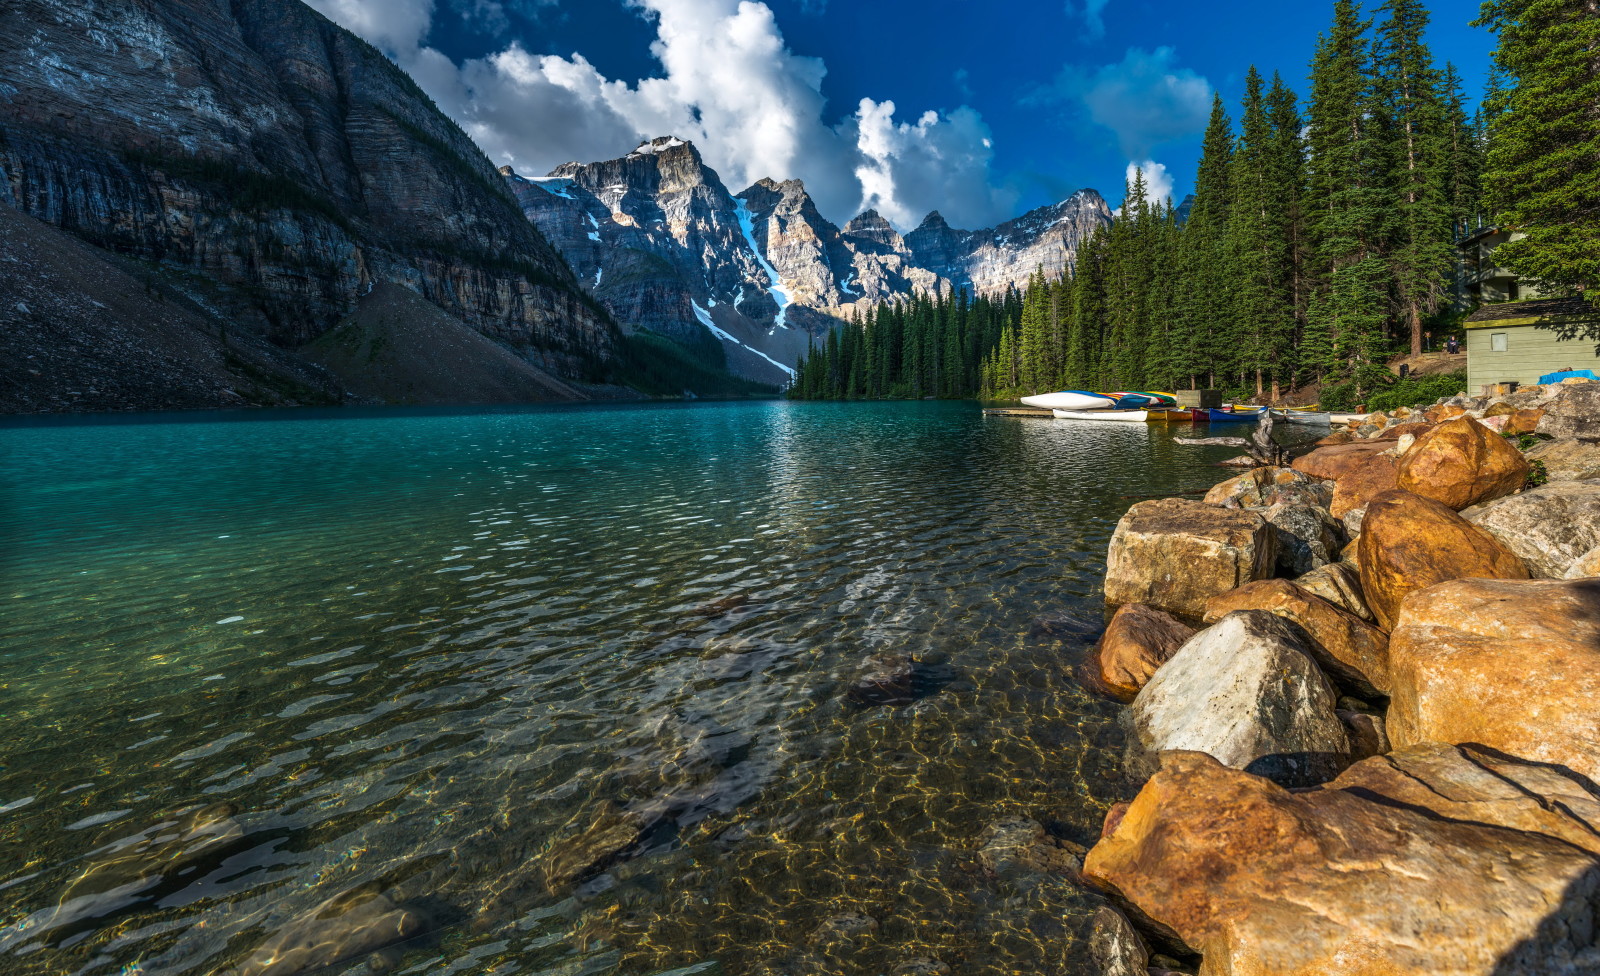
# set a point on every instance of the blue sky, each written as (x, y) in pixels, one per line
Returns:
(996, 107)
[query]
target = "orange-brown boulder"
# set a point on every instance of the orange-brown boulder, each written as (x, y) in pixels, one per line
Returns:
(1373, 874)
(1266, 487)
(1139, 640)
(1499, 409)
(1443, 412)
(1333, 463)
(1174, 554)
(1345, 646)
(1524, 421)
(1462, 463)
(1374, 476)
(1400, 430)
(1410, 543)
(1514, 666)
(1337, 438)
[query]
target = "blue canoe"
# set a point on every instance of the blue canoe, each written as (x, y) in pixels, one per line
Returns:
(1549, 378)
(1234, 416)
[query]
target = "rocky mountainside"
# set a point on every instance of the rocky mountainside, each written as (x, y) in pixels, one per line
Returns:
(661, 242)
(277, 167)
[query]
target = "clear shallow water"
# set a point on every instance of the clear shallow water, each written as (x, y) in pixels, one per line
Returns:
(553, 691)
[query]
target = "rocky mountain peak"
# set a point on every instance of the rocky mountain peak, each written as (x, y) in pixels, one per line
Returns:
(872, 226)
(934, 221)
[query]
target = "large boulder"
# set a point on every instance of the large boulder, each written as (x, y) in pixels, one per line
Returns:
(1139, 640)
(1333, 463)
(1568, 459)
(341, 929)
(1174, 554)
(1574, 411)
(1430, 862)
(1340, 585)
(1351, 650)
(1586, 566)
(1247, 693)
(1266, 487)
(1514, 666)
(1308, 537)
(1410, 543)
(1461, 463)
(1115, 946)
(1551, 527)
(1361, 485)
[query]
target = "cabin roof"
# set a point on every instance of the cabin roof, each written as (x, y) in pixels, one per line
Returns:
(1531, 313)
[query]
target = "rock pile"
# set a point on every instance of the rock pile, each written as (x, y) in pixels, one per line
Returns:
(1380, 753)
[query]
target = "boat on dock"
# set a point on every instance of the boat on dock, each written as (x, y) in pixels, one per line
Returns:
(1123, 416)
(1315, 417)
(1070, 400)
(1234, 416)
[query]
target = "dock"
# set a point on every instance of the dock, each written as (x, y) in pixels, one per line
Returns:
(1018, 412)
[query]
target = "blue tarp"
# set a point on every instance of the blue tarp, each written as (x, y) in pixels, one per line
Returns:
(1549, 378)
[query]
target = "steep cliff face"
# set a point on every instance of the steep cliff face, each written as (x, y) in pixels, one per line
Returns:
(657, 238)
(282, 159)
(988, 262)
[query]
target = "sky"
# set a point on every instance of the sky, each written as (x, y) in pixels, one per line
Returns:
(980, 109)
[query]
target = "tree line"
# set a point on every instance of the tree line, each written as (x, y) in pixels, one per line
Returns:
(1318, 244)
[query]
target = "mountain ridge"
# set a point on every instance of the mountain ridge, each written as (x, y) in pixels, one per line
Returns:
(651, 235)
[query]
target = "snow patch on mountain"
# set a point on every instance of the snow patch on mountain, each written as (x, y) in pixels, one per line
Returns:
(747, 223)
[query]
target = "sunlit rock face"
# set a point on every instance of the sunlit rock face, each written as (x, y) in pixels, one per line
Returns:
(281, 158)
(658, 238)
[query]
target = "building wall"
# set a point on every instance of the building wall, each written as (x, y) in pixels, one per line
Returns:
(1530, 353)
(1479, 281)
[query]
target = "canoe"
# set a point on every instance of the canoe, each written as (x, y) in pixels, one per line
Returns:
(1125, 416)
(1346, 418)
(1318, 417)
(1170, 416)
(1070, 400)
(1233, 417)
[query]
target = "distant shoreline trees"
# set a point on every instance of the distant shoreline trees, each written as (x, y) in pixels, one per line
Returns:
(1319, 243)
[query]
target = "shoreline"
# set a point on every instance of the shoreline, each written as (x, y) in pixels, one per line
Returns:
(1361, 695)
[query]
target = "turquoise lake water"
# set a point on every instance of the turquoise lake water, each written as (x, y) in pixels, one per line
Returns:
(554, 690)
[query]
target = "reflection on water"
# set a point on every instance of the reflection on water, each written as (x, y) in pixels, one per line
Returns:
(633, 689)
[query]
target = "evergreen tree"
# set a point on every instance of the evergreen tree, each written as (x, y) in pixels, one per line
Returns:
(1542, 175)
(1418, 157)
(1347, 312)
(1204, 302)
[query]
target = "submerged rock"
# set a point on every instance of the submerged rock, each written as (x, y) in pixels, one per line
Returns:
(894, 680)
(1021, 846)
(341, 929)
(1176, 554)
(1409, 543)
(589, 845)
(1247, 693)
(1115, 946)
(1431, 862)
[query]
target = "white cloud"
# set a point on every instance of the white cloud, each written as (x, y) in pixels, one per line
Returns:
(1146, 100)
(1157, 181)
(729, 83)
(1092, 12)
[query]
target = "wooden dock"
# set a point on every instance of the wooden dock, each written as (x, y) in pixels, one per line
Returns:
(1018, 412)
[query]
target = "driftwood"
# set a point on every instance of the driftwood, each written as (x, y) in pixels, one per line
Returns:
(1259, 445)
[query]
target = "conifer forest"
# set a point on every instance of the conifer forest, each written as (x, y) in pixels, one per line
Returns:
(1318, 246)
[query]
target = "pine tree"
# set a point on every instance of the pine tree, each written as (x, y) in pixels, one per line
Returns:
(1542, 175)
(1419, 160)
(1347, 314)
(1206, 284)
(1286, 175)
(1255, 242)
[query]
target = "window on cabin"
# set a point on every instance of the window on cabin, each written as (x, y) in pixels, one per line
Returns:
(1497, 342)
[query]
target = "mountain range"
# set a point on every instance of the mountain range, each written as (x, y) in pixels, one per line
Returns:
(658, 239)
(222, 205)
